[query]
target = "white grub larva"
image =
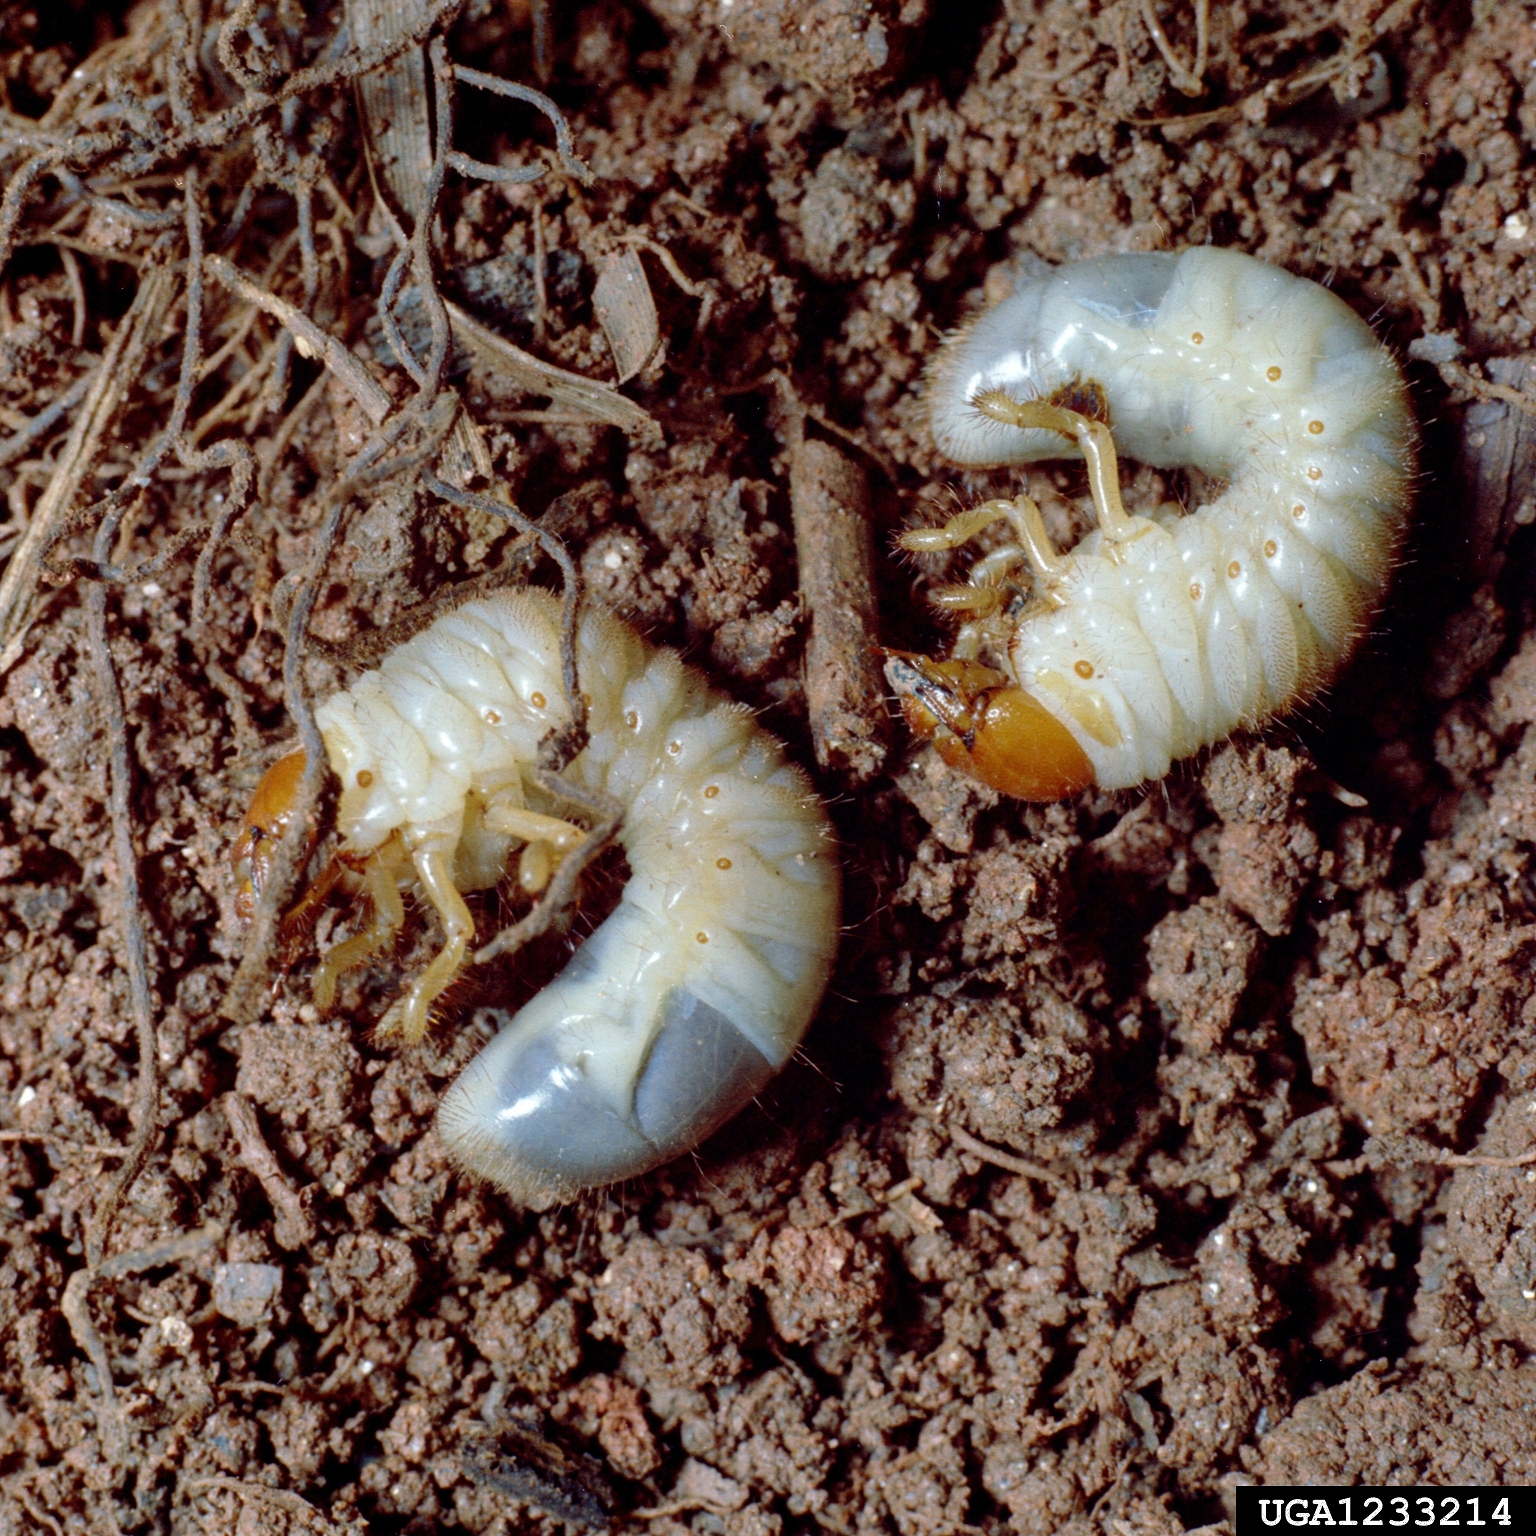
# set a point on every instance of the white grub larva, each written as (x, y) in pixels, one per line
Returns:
(691, 994)
(1159, 635)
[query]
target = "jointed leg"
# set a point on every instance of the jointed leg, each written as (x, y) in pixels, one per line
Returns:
(547, 839)
(410, 1014)
(1092, 438)
(381, 885)
(982, 596)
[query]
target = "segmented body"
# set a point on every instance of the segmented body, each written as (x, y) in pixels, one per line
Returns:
(1157, 638)
(699, 986)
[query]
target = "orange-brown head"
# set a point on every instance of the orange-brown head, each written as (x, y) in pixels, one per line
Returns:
(266, 819)
(980, 721)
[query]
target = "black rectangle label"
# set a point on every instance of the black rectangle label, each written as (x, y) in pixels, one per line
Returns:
(1429, 1511)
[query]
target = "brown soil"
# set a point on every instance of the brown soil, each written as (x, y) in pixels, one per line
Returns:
(1145, 1144)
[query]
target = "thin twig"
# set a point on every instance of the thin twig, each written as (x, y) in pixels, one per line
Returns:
(174, 1250)
(277, 1498)
(16, 446)
(76, 1307)
(113, 377)
(112, 716)
(1404, 1151)
(597, 403)
(294, 1226)
(47, 1137)
(989, 1154)
(607, 817)
(312, 340)
(1189, 81)
(561, 746)
(565, 146)
(79, 308)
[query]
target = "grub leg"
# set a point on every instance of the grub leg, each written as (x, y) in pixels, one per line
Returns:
(381, 885)
(547, 840)
(410, 1015)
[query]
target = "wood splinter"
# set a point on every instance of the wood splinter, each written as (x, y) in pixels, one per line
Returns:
(844, 689)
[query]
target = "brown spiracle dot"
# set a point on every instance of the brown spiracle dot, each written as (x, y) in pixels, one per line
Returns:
(1196, 591)
(1272, 373)
(1198, 338)
(537, 699)
(711, 790)
(632, 720)
(1271, 549)
(1084, 669)
(1315, 428)
(1298, 511)
(492, 717)
(722, 862)
(703, 938)
(364, 778)
(1235, 570)
(1313, 472)
(674, 748)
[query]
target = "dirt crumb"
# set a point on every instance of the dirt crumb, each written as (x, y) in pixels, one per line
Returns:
(1429, 1427)
(302, 1073)
(818, 1280)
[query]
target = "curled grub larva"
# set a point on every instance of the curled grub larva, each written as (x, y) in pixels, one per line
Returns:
(1159, 635)
(692, 993)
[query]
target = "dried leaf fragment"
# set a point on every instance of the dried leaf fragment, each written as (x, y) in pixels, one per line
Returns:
(626, 311)
(567, 391)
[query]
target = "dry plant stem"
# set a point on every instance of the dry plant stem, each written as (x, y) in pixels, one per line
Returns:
(845, 690)
(174, 1250)
(703, 292)
(1459, 376)
(669, 261)
(560, 746)
(235, 67)
(219, 129)
(110, 383)
(76, 1307)
(113, 717)
(1404, 1151)
(346, 365)
(77, 300)
(540, 283)
(63, 1141)
(1189, 81)
(259, 1493)
(247, 737)
(232, 453)
(244, 999)
(565, 146)
(543, 40)
(17, 445)
(421, 235)
(571, 392)
(181, 62)
(294, 1227)
(999, 1159)
(276, 389)
(1286, 92)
